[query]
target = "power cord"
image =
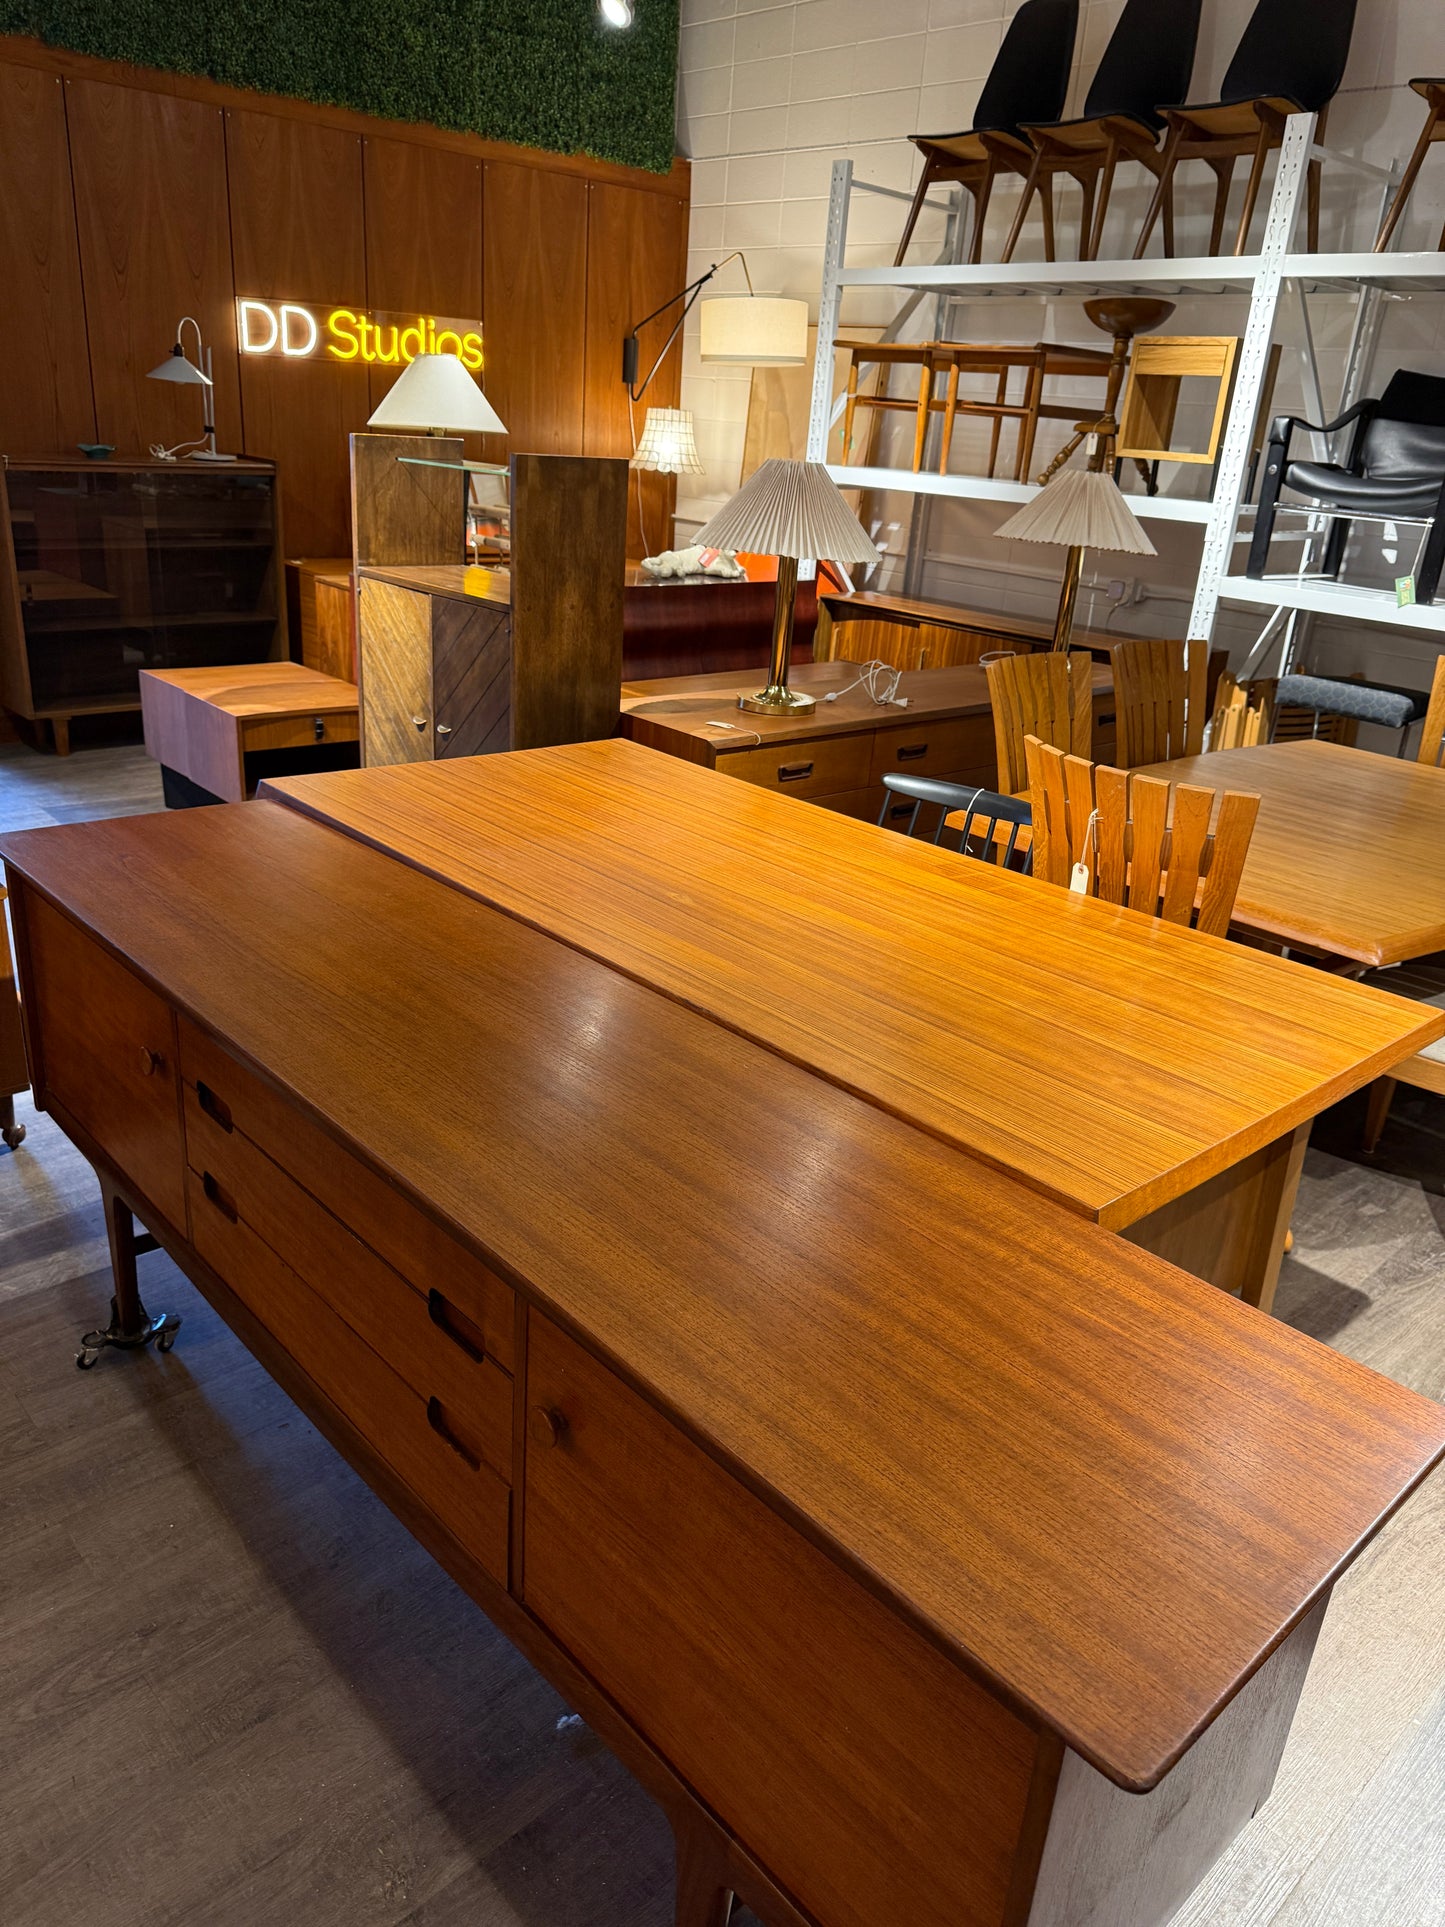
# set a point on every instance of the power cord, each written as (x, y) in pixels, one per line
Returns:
(880, 679)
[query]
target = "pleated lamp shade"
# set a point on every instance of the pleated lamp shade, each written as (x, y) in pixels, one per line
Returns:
(1080, 509)
(790, 508)
(667, 445)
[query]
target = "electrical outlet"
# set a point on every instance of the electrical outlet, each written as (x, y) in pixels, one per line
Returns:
(1117, 590)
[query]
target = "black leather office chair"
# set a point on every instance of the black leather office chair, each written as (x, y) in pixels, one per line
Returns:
(1395, 468)
(1146, 65)
(1028, 81)
(984, 813)
(1290, 60)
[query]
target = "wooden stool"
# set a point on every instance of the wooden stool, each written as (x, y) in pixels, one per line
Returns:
(1433, 93)
(216, 732)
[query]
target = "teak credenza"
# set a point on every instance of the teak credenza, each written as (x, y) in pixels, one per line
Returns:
(932, 1554)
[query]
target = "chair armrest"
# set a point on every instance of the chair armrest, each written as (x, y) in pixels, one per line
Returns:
(1283, 426)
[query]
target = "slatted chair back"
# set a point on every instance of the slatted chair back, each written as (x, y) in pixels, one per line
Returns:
(991, 827)
(1135, 849)
(1432, 735)
(1159, 699)
(1049, 695)
(1243, 713)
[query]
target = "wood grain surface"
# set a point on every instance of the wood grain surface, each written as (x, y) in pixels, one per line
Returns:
(203, 722)
(1110, 1061)
(1104, 1487)
(1348, 854)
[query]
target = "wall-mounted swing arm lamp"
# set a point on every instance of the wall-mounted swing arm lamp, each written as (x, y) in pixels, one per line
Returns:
(766, 330)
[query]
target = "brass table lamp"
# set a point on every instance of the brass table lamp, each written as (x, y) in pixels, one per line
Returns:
(792, 510)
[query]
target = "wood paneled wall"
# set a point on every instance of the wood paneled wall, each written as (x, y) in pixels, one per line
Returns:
(129, 198)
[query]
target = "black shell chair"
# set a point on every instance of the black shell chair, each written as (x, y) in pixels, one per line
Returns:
(986, 817)
(1290, 60)
(1146, 65)
(1027, 82)
(1395, 468)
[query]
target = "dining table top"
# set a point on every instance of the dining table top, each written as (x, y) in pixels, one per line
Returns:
(1108, 1060)
(1348, 853)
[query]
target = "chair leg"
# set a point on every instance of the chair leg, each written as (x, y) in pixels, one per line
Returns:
(925, 181)
(950, 409)
(1377, 1110)
(1168, 222)
(1407, 180)
(1428, 580)
(1256, 177)
(1000, 396)
(1335, 542)
(1163, 187)
(1029, 421)
(1274, 460)
(852, 408)
(1046, 202)
(982, 195)
(920, 431)
(1031, 182)
(1223, 180)
(1312, 207)
(1096, 202)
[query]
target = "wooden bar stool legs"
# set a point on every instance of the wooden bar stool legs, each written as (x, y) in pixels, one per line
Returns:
(1433, 92)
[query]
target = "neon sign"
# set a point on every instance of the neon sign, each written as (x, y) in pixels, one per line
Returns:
(353, 334)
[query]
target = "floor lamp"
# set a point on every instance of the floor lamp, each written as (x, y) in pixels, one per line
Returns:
(792, 510)
(1081, 509)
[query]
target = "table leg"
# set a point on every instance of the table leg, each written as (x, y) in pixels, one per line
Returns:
(1231, 1229)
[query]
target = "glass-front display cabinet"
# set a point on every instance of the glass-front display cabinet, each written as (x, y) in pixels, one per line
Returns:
(117, 566)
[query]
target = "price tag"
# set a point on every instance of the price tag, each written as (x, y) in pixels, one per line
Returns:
(1404, 591)
(1079, 880)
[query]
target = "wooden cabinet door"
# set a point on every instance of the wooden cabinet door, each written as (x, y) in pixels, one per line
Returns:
(394, 673)
(107, 1053)
(872, 1777)
(471, 676)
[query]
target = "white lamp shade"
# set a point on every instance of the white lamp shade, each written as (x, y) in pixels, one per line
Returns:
(790, 508)
(176, 367)
(764, 329)
(667, 446)
(435, 391)
(1080, 509)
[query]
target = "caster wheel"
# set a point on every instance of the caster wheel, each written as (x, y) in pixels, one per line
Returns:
(84, 1360)
(14, 1136)
(165, 1341)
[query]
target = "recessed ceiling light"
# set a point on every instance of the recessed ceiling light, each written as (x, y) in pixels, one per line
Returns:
(617, 13)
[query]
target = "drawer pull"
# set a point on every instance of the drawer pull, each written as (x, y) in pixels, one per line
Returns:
(436, 1418)
(1105, 722)
(544, 1426)
(221, 1199)
(794, 772)
(461, 1331)
(911, 752)
(151, 1061)
(214, 1107)
(318, 723)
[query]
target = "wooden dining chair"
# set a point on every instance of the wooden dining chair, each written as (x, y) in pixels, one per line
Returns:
(991, 827)
(1027, 82)
(1243, 713)
(1145, 66)
(1119, 834)
(1160, 696)
(1432, 732)
(1049, 695)
(1290, 60)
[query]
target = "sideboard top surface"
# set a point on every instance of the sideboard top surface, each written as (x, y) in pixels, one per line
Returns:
(1107, 1488)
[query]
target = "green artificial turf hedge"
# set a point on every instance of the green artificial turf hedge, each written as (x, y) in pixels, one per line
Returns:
(545, 73)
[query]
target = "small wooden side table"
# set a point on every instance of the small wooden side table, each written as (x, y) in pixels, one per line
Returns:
(221, 730)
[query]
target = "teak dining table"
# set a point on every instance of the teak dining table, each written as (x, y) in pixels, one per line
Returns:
(932, 1554)
(1158, 1082)
(1347, 859)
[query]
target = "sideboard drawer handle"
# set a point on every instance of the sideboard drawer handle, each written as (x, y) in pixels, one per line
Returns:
(794, 772)
(544, 1426)
(436, 1418)
(911, 752)
(222, 1200)
(151, 1061)
(214, 1107)
(461, 1331)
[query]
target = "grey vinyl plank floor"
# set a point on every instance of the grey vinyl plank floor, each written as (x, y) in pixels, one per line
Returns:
(234, 1692)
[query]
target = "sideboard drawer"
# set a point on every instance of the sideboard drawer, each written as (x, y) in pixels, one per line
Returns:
(828, 767)
(411, 1243)
(830, 1736)
(934, 749)
(427, 1339)
(108, 1054)
(417, 1437)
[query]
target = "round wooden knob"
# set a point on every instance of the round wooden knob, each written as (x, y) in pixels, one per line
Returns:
(150, 1061)
(545, 1427)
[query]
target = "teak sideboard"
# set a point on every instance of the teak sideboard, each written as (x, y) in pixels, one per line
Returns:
(932, 1554)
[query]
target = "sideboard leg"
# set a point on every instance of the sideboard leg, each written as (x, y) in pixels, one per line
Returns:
(11, 1133)
(131, 1326)
(704, 1898)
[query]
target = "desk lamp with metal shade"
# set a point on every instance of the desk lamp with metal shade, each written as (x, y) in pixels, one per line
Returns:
(178, 367)
(795, 511)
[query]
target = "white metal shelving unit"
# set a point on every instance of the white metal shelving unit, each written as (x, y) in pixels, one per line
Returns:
(1265, 277)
